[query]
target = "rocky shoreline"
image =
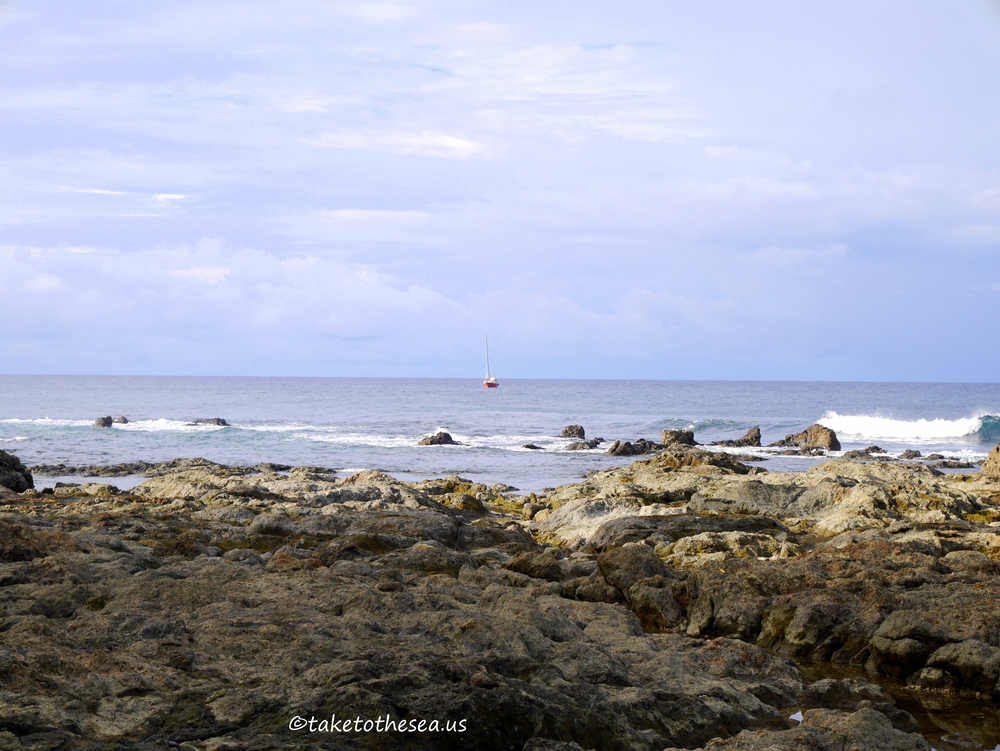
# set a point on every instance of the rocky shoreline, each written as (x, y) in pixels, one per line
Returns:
(664, 604)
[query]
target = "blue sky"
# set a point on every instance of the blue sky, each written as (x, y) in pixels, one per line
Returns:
(716, 189)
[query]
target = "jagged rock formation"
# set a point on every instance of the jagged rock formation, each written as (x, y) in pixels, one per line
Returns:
(574, 431)
(750, 439)
(648, 607)
(813, 437)
(683, 437)
(991, 465)
(13, 474)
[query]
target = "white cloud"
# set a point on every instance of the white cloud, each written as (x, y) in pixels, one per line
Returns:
(44, 283)
(204, 274)
(779, 256)
(425, 143)
(165, 199)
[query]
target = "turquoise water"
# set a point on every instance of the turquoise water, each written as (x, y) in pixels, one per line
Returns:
(354, 423)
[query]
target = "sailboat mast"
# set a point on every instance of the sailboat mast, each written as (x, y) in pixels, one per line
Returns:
(487, 355)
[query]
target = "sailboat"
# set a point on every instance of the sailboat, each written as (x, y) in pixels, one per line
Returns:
(491, 382)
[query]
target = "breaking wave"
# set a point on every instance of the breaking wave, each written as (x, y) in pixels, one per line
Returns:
(986, 427)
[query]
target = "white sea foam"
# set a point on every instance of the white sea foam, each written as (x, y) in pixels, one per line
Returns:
(877, 427)
(164, 424)
(15, 439)
(48, 422)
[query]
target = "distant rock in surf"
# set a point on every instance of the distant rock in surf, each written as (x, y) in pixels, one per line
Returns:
(210, 421)
(683, 437)
(574, 431)
(439, 439)
(870, 453)
(104, 422)
(121, 420)
(532, 447)
(750, 438)
(813, 437)
(910, 454)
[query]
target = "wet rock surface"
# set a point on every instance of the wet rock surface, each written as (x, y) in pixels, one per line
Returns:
(13, 475)
(659, 605)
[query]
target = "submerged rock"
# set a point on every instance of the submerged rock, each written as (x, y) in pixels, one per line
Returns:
(440, 438)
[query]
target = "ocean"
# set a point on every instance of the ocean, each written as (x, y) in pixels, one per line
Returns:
(375, 423)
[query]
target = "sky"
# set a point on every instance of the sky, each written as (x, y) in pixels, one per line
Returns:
(663, 189)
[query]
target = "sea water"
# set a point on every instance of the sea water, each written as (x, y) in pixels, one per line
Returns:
(375, 423)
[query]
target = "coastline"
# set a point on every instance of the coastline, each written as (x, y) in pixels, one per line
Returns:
(652, 605)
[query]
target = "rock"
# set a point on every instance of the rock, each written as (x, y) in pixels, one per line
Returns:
(683, 437)
(707, 547)
(13, 475)
(827, 730)
(910, 454)
(531, 447)
(146, 630)
(104, 422)
(574, 431)
(850, 694)
(991, 465)
(210, 421)
(438, 439)
(750, 438)
(121, 420)
(867, 453)
(626, 448)
(593, 443)
(813, 437)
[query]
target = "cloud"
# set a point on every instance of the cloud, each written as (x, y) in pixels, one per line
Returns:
(424, 143)
(778, 256)
(204, 274)
(165, 199)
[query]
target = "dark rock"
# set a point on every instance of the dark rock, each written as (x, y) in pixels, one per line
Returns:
(939, 456)
(533, 447)
(574, 431)
(618, 532)
(826, 730)
(209, 421)
(910, 454)
(627, 448)
(850, 694)
(593, 443)
(813, 437)
(683, 437)
(953, 464)
(104, 422)
(622, 567)
(868, 453)
(538, 566)
(438, 439)
(13, 475)
(750, 438)
(121, 420)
